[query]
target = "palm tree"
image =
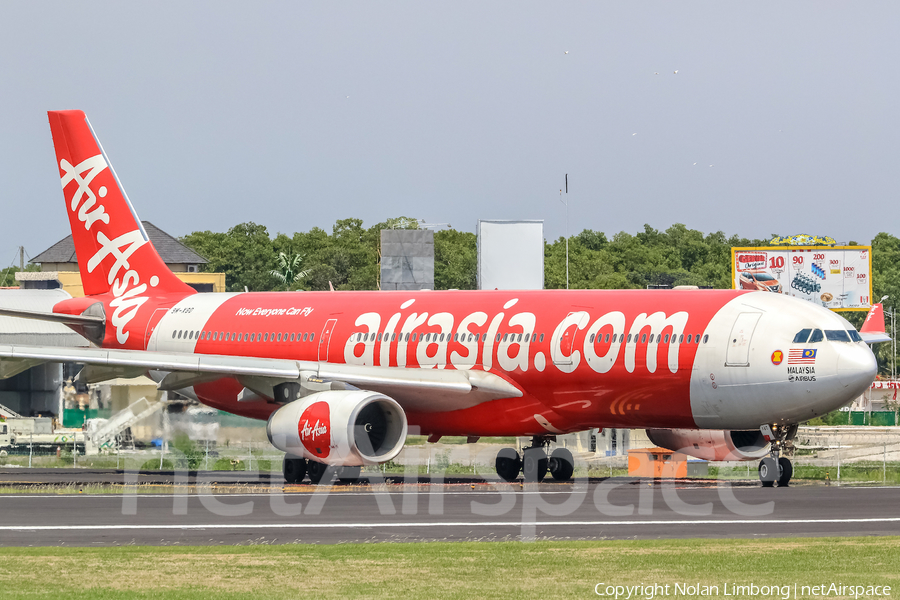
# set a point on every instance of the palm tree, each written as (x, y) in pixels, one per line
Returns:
(288, 269)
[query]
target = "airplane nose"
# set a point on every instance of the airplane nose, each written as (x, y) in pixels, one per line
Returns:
(856, 368)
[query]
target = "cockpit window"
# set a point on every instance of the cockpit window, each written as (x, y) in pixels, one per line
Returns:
(802, 336)
(837, 335)
(817, 336)
(854, 335)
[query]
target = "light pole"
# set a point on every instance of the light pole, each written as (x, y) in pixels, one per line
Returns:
(892, 314)
(566, 202)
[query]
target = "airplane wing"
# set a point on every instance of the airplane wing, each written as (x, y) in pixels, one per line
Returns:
(418, 389)
(874, 337)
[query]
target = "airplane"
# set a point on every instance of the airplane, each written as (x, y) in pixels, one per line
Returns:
(341, 376)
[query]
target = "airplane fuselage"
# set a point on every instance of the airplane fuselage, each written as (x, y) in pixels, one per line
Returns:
(623, 358)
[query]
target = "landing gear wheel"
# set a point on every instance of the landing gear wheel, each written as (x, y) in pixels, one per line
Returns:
(768, 471)
(562, 464)
(349, 474)
(785, 471)
(534, 467)
(316, 471)
(294, 469)
(508, 464)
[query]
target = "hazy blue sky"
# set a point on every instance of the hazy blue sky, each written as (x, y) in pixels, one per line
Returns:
(782, 117)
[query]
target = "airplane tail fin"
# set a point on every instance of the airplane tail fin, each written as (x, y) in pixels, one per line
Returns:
(873, 329)
(114, 253)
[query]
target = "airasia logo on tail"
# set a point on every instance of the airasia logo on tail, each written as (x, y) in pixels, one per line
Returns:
(127, 288)
(314, 428)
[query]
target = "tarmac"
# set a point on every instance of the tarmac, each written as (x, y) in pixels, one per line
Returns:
(224, 508)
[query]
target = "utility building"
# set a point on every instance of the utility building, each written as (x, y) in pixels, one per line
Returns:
(59, 265)
(407, 259)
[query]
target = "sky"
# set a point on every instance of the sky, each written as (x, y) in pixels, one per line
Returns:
(750, 118)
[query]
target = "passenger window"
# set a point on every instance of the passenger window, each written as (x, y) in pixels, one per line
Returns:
(312, 336)
(606, 340)
(266, 338)
(629, 339)
(817, 336)
(498, 337)
(527, 336)
(643, 338)
(667, 339)
(592, 338)
(442, 337)
(505, 336)
(306, 334)
(705, 338)
(542, 337)
(681, 338)
(174, 333)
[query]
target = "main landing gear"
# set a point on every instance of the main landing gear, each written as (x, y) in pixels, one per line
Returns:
(295, 469)
(534, 464)
(776, 468)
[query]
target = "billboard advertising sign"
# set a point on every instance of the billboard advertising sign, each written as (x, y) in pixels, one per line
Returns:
(510, 255)
(836, 277)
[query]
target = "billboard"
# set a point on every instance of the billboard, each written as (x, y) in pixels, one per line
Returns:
(836, 277)
(510, 255)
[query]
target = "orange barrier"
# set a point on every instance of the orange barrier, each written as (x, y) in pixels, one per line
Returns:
(657, 463)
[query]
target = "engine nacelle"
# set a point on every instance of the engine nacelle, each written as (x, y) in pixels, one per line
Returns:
(340, 427)
(712, 444)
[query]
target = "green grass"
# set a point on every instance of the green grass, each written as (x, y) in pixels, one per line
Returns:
(549, 569)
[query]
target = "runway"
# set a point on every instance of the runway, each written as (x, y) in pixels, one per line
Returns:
(612, 509)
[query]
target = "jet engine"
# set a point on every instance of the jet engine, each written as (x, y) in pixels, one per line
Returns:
(712, 444)
(340, 427)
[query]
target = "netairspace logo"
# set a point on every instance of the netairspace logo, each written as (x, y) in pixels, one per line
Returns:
(786, 591)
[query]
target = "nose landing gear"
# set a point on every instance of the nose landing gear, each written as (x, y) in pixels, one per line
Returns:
(776, 468)
(535, 464)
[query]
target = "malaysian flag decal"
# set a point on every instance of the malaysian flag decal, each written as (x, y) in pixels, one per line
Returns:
(805, 356)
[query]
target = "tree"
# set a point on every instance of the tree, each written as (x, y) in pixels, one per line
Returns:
(288, 270)
(244, 254)
(455, 260)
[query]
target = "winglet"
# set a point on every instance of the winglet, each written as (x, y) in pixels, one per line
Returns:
(873, 330)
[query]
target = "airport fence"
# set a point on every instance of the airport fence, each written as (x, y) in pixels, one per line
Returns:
(828, 454)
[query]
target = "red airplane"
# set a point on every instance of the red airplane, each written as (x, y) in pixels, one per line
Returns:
(340, 376)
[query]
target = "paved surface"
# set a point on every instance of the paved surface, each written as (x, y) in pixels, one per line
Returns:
(612, 509)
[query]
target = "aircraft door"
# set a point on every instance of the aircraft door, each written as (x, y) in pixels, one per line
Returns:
(151, 327)
(325, 339)
(566, 345)
(737, 353)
